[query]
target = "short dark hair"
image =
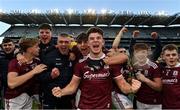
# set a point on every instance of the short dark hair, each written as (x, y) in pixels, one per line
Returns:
(45, 26)
(81, 37)
(169, 47)
(7, 40)
(63, 35)
(140, 46)
(25, 43)
(94, 30)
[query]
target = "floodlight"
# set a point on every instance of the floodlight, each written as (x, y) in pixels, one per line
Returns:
(70, 11)
(161, 13)
(104, 11)
(36, 11)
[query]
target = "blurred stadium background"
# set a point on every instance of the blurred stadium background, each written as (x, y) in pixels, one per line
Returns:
(73, 22)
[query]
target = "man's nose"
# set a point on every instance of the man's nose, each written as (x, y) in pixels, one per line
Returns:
(82, 44)
(171, 56)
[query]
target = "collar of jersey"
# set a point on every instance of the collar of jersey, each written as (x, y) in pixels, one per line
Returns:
(103, 56)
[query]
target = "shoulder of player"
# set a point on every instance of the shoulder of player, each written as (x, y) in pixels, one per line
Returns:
(14, 62)
(82, 63)
(153, 64)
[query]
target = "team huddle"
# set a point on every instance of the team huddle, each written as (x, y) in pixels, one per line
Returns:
(83, 74)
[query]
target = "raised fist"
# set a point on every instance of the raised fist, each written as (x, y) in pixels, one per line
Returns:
(154, 35)
(124, 29)
(135, 33)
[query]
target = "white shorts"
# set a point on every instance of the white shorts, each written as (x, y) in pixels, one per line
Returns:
(77, 98)
(23, 101)
(121, 101)
(141, 105)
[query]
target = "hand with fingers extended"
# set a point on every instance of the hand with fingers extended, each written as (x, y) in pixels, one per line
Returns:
(154, 35)
(39, 68)
(72, 56)
(55, 73)
(135, 33)
(21, 59)
(135, 85)
(57, 92)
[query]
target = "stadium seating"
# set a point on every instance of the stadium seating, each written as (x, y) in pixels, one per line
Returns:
(167, 34)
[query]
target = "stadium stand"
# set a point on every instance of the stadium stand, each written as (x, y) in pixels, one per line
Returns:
(111, 24)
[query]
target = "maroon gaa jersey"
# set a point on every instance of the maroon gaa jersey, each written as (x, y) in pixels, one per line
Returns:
(96, 86)
(146, 94)
(28, 86)
(171, 88)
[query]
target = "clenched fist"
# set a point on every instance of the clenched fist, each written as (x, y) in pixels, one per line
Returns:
(55, 73)
(135, 85)
(57, 92)
(154, 35)
(135, 33)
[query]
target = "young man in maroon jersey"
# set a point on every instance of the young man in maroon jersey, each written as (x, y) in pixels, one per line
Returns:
(21, 78)
(171, 78)
(148, 72)
(95, 79)
(83, 50)
(81, 55)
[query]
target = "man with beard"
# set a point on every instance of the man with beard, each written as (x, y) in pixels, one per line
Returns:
(94, 78)
(57, 61)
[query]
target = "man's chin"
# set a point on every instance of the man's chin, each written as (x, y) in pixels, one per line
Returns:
(8, 52)
(96, 52)
(45, 42)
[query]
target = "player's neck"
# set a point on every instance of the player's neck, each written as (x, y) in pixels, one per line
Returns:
(28, 57)
(142, 63)
(99, 56)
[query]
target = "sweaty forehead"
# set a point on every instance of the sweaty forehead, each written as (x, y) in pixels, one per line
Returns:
(7, 43)
(170, 51)
(63, 38)
(44, 30)
(139, 51)
(96, 34)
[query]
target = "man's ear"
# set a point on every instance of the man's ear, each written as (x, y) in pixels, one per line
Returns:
(103, 43)
(163, 57)
(88, 43)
